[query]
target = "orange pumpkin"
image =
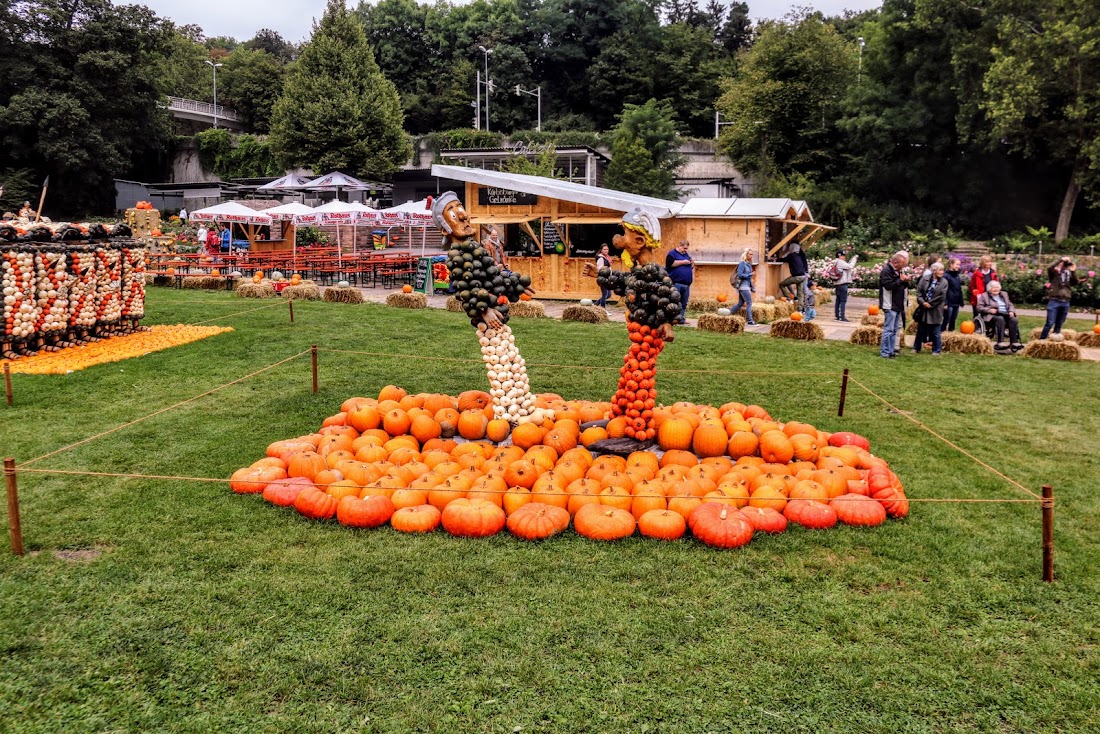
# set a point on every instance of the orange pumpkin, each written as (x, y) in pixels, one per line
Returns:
(675, 434)
(709, 439)
(967, 327)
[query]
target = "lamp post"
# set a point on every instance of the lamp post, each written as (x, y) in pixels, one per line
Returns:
(862, 43)
(215, 68)
(537, 93)
(488, 84)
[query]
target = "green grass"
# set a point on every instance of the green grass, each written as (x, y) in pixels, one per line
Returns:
(207, 611)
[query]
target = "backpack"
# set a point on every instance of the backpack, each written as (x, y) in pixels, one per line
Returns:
(832, 272)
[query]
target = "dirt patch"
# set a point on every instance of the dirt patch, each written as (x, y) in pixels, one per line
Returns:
(79, 555)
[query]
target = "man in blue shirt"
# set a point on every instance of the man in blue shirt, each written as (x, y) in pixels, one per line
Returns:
(681, 268)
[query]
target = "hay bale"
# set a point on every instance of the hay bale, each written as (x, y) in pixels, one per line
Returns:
(877, 320)
(1070, 334)
(528, 310)
(703, 305)
(407, 300)
(722, 324)
(784, 309)
(1088, 339)
(763, 312)
(255, 290)
(1066, 351)
(910, 326)
(958, 343)
(343, 295)
(824, 295)
(453, 305)
(802, 330)
(202, 282)
(306, 291)
(584, 314)
(867, 336)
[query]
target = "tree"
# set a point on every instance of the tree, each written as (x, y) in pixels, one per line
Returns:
(689, 68)
(1042, 91)
(736, 34)
(249, 83)
(270, 42)
(337, 110)
(182, 72)
(645, 151)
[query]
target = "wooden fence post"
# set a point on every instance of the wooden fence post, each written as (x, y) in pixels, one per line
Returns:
(1048, 533)
(313, 359)
(843, 393)
(7, 384)
(290, 302)
(14, 526)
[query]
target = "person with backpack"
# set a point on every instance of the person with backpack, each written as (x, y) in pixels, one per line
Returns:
(742, 281)
(842, 271)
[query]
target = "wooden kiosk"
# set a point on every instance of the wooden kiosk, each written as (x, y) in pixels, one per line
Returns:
(550, 228)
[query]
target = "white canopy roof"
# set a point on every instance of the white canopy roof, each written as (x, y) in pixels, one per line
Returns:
(342, 212)
(564, 190)
(415, 213)
(230, 211)
(298, 213)
(335, 180)
(742, 208)
(289, 181)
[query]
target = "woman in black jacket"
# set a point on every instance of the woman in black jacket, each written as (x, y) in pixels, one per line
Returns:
(954, 293)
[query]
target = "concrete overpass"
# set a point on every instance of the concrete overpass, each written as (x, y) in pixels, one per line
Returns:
(203, 112)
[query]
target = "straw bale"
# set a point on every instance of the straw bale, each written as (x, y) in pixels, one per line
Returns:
(802, 330)
(528, 310)
(306, 291)
(1045, 349)
(255, 290)
(763, 312)
(722, 324)
(877, 320)
(783, 309)
(1088, 339)
(454, 305)
(959, 343)
(202, 282)
(703, 305)
(585, 314)
(343, 295)
(869, 336)
(825, 295)
(407, 300)
(1070, 334)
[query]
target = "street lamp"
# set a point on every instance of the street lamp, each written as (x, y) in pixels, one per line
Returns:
(488, 84)
(862, 43)
(215, 68)
(536, 93)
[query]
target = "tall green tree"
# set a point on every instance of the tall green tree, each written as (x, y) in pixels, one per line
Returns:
(271, 42)
(645, 151)
(249, 83)
(689, 67)
(1042, 91)
(338, 111)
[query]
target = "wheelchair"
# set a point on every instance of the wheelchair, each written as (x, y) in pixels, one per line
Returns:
(984, 325)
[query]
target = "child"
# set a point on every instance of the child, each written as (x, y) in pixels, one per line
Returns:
(811, 301)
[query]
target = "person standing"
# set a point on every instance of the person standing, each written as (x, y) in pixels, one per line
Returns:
(681, 269)
(892, 285)
(794, 286)
(213, 242)
(1063, 277)
(183, 215)
(742, 279)
(226, 238)
(200, 235)
(954, 293)
(495, 246)
(931, 296)
(929, 261)
(603, 260)
(845, 275)
(985, 274)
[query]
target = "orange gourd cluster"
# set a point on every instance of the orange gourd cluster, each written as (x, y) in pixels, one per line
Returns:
(144, 205)
(115, 349)
(637, 394)
(421, 461)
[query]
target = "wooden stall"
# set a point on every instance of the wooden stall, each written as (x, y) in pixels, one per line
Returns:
(551, 228)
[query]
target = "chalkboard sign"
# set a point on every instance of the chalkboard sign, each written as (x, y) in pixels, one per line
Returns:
(585, 240)
(551, 239)
(423, 282)
(490, 196)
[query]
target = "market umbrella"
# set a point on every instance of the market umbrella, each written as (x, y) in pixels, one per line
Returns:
(289, 181)
(337, 182)
(414, 215)
(232, 212)
(341, 212)
(297, 213)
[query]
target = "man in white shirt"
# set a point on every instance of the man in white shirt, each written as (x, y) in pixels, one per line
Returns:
(201, 235)
(183, 215)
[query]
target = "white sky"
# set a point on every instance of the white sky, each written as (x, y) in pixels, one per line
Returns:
(293, 19)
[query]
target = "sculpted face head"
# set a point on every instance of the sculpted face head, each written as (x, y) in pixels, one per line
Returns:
(631, 241)
(455, 215)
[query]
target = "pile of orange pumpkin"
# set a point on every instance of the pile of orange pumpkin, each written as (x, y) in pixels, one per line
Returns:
(144, 206)
(420, 461)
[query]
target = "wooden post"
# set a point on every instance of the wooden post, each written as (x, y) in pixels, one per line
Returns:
(7, 383)
(313, 359)
(13, 508)
(1048, 533)
(843, 393)
(290, 302)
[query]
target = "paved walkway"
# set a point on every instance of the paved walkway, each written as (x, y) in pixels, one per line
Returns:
(834, 330)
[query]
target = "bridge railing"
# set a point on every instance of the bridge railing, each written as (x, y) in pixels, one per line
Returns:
(203, 108)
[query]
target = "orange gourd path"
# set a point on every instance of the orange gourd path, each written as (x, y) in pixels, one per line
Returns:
(719, 475)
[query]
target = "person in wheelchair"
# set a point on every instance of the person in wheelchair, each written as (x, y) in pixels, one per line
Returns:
(997, 314)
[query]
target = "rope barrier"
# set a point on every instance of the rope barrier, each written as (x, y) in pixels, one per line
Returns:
(579, 366)
(159, 412)
(374, 485)
(947, 441)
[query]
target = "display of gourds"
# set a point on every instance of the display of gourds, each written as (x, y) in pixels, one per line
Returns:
(59, 294)
(723, 475)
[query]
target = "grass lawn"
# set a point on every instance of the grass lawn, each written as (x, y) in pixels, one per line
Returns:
(197, 610)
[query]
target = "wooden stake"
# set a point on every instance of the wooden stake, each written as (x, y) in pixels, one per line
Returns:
(1048, 533)
(7, 383)
(843, 393)
(290, 302)
(13, 508)
(313, 359)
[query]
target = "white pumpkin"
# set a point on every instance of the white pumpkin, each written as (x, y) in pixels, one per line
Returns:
(723, 312)
(586, 301)
(341, 284)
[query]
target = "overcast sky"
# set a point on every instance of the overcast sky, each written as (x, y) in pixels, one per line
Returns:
(293, 19)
